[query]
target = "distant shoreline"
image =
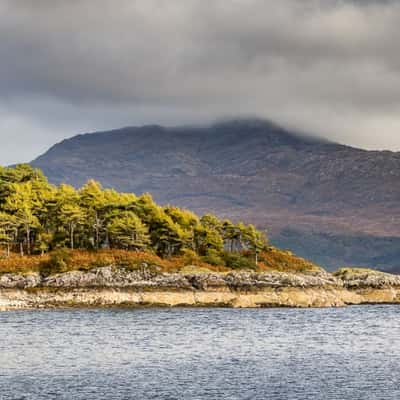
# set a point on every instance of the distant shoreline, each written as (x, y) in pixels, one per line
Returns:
(117, 287)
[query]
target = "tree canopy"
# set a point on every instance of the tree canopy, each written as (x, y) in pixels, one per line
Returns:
(36, 217)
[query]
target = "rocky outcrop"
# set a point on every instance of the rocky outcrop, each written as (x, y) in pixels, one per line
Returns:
(119, 277)
(115, 286)
(356, 278)
(16, 281)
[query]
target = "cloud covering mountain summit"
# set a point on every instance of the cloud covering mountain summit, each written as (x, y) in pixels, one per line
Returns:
(328, 67)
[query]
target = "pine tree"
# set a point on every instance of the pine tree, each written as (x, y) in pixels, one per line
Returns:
(71, 217)
(254, 240)
(128, 231)
(8, 230)
(21, 203)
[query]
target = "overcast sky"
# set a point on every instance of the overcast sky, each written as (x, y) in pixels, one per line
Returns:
(324, 66)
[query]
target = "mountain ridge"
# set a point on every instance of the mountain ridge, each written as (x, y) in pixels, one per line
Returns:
(257, 171)
(184, 128)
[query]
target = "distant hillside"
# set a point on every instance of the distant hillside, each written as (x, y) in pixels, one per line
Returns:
(331, 203)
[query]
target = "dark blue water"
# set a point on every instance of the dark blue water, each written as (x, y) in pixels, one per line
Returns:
(349, 353)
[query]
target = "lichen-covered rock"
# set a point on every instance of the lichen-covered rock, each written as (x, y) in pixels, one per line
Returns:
(254, 281)
(207, 281)
(108, 286)
(244, 280)
(116, 277)
(120, 277)
(353, 278)
(20, 281)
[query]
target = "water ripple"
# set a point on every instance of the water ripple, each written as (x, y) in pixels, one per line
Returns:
(347, 353)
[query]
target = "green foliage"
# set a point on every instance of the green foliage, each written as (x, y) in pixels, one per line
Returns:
(36, 217)
(213, 257)
(190, 257)
(43, 242)
(238, 261)
(128, 231)
(59, 261)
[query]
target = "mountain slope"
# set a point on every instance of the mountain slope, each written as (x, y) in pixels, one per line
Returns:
(332, 203)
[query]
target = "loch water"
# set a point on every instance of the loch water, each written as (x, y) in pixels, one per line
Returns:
(201, 353)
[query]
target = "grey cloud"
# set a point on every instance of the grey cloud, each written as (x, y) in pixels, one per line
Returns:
(327, 66)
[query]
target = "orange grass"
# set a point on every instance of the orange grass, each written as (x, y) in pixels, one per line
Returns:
(17, 264)
(284, 261)
(84, 260)
(271, 259)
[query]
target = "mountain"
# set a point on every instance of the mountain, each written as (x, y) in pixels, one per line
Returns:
(331, 203)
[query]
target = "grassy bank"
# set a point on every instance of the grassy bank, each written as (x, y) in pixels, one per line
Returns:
(64, 260)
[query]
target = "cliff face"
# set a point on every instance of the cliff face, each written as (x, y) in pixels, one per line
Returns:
(113, 286)
(329, 203)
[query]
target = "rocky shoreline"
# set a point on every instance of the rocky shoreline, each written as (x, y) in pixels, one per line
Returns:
(116, 286)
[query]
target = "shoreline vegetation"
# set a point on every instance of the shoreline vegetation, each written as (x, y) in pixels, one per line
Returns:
(63, 247)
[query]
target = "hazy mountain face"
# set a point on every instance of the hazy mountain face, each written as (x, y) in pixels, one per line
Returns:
(334, 204)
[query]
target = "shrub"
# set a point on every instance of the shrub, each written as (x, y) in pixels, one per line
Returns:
(280, 260)
(238, 261)
(189, 257)
(59, 261)
(213, 257)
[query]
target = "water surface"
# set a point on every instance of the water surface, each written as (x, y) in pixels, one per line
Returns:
(346, 353)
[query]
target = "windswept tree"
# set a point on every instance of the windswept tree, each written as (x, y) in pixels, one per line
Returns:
(69, 214)
(21, 204)
(128, 231)
(100, 206)
(254, 240)
(8, 231)
(188, 222)
(92, 199)
(208, 235)
(43, 241)
(167, 237)
(71, 217)
(231, 234)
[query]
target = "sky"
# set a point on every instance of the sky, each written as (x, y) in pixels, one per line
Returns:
(326, 67)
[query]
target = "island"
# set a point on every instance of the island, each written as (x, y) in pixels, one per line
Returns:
(95, 247)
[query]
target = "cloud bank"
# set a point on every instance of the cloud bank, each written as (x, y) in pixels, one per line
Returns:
(323, 66)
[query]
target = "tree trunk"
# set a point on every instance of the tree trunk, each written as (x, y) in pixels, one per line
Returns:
(97, 232)
(28, 240)
(21, 249)
(72, 236)
(107, 240)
